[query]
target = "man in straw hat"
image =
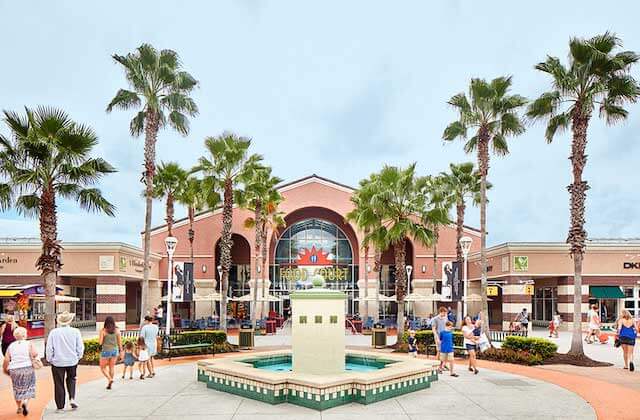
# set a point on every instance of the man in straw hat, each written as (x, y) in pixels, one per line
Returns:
(64, 349)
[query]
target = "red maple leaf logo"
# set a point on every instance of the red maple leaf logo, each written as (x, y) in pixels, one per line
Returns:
(313, 256)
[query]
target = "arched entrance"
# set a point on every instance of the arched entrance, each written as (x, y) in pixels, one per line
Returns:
(314, 249)
(239, 275)
(387, 279)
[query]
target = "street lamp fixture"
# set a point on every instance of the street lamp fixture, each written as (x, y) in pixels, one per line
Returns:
(170, 243)
(465, 244)
(409, 269)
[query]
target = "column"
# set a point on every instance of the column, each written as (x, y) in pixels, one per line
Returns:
(565, 303)
(111, 301)
(514, 300)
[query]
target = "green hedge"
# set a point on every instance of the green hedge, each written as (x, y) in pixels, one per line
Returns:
(424, 339)
(510, 356)
(532, 345)
(217, 338)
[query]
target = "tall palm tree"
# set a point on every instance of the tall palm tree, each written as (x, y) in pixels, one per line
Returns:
(229, 167)
(597, 75)
(364, 217)
(464, 183)
(271, 220)
(492, 115)
(159, 89)
(169, 183)
(47, 157)
(439, 196)
(260, 190)
(399, 201)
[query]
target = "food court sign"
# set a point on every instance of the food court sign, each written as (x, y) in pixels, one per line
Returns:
(307, 273)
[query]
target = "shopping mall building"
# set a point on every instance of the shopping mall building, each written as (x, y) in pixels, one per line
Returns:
(317, 241)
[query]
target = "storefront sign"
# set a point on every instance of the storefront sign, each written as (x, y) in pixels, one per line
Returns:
(529, 289)
(521, 263)
(123, 263)
(631, 266)
(492, 290)
(106, 262)
(7, 260)
(303, 273)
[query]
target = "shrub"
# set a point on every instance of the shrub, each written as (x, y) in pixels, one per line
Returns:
(511, 356)
(424, 339)
(533, 345)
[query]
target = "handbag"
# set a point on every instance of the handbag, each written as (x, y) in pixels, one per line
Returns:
(616, 343)
(35, 361)
(483, 342)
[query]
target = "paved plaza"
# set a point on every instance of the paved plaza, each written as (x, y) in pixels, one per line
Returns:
(175, 393)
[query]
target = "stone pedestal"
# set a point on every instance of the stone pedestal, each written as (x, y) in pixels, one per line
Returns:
(317, 331)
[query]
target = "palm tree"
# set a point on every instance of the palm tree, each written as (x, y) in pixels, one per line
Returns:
(364, 217)
(46, 158)
(439, 196)
(398, 199)
(596, 75)
(259, 191)
(492, 113)
(463, 182)
(160, 89)
(228, 167)
(272, 220)
(169, 183)
(196, 198)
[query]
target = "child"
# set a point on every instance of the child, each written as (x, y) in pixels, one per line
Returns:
(142, 354)
(129, 360)
(446, 348)
(413, 344)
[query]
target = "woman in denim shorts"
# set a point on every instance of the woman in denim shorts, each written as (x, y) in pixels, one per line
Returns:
(111, 342)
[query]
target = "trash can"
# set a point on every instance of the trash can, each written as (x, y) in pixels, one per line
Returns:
(245, 338)
(378, 336)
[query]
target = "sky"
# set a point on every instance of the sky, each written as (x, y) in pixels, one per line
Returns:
(333, 88)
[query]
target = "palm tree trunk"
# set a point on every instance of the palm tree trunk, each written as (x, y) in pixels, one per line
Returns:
(577, 235)
(401, 282)
(258, 245)
(483, 165)
(170, 213)
(151, 135)
(49, 261)
(459, 257)
(366, 283)
(265, 275)
(225, 249)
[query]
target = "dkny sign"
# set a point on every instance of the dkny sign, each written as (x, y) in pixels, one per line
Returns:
(631, 265)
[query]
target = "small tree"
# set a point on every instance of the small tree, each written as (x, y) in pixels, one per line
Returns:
(47, 157)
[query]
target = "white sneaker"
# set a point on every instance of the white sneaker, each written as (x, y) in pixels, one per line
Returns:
(73, 404)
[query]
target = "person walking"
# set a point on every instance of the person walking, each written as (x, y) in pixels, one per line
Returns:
(446, 348)
(160, 315)
(64, 350)
(594, 324)
(439, 324)
(523, 319)
(149, 332)
(470, 343)
(19, 365)
(111, 342)
(6, 331)
(626, 329)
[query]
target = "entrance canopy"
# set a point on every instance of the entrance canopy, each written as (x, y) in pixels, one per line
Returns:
(606, 292)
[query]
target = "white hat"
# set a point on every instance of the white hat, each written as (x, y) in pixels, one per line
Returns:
(65, 318)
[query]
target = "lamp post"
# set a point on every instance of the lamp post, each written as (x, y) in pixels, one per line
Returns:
(170, 242)
(465, 244)
(409, 269)
(220, 284)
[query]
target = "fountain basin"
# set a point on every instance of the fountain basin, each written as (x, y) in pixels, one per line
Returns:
(390, 376)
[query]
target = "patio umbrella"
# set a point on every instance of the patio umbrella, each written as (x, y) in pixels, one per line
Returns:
(66, 299)
(474, 297)
(269, 298)
(211, 297)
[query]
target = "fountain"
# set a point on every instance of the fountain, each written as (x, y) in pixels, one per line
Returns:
(318, 372)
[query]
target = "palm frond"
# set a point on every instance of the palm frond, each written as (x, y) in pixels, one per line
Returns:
(91, 199)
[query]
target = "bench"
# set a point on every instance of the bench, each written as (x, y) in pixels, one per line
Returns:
(169, 346)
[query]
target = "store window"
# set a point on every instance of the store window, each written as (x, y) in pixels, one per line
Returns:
(632, 300)
(85, 308)
(545, 303)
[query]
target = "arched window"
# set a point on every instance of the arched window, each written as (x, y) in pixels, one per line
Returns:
(313, 242)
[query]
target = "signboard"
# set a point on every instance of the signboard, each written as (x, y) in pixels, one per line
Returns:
(7, 260)
(123, 263)
(452, 287)
(106, 262)
(529, 289)
(626, 265)
(521, 263)
(182, 287)
(492, 290)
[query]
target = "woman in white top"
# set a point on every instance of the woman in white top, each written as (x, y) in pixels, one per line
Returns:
(18, 364)
(470, 343)
(594, 324)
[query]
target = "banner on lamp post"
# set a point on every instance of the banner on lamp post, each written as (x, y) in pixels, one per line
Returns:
(452, 287)
(182, 290)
